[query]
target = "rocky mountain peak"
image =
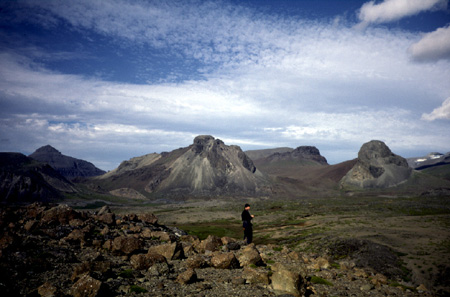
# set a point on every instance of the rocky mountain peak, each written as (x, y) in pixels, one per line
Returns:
(205, 143)
(377, 167)
(307, 150)
(376, 152)
(47, 149)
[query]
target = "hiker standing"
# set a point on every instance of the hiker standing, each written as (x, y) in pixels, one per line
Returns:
(247, 223)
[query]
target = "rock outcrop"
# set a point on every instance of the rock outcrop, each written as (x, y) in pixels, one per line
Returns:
(377, 167)
(68, 167)
(208, 167)
(24, 180)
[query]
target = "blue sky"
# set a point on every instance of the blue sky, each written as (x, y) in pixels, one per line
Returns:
(106, 81)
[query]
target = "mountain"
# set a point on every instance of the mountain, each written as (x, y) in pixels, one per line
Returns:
(68, 167)
(23, 179)
(289, 162)
(260, 154)
(208, 167)
(430, 160)
(377, 167)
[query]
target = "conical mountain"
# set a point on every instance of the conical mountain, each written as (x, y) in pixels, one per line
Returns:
(208, 167)
(68, 167)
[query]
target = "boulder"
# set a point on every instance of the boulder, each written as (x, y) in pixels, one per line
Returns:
(198, 261)
(224, 261)
(140, 261)
(230, 244)
(163, 236)
(47, 290)
(320, 263)
(77, 235)
(289, 278)
(159, 269)
(187, 277)
(148, 218)
(211, 243)
(249, 255)
(107, 218)
(61, 214)
(126, 244)
(256, 275)
(145, 261)
(171, 251)
(89, 266)
(87, 286)
(30, 225)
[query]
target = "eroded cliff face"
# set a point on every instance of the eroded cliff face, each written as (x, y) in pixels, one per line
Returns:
(377, 167)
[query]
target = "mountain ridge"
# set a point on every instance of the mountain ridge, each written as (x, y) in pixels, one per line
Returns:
(209, 168)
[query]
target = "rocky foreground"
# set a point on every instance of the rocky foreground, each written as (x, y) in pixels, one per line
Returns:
(54, 250)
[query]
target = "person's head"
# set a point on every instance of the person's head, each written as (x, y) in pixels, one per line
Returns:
(247, 206)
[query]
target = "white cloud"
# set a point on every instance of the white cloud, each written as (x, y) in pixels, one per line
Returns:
(442, 112)
(269, 82)
(392, 10)
(433, 46)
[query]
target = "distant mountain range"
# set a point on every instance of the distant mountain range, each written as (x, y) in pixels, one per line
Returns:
(210, 168)
(430, 160)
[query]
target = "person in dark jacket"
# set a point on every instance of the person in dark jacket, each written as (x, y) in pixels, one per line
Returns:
(247, 223)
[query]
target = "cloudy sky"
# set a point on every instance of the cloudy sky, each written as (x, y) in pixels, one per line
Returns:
(106, 81)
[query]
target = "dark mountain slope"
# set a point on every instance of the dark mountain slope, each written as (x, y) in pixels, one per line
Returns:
(68, 167)
(23, 179)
